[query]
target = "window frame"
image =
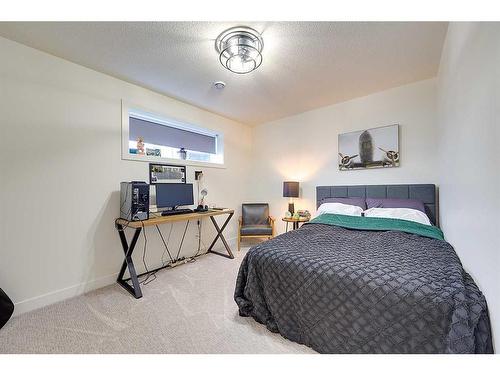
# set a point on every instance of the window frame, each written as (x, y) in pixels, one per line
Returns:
(145, 114)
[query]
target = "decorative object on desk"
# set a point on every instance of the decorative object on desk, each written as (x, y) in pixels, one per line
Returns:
(140, 146)
(288, 214)
(198, 176)
(296, 216)
(165, 173)
(203, 194)
(153, 152)
(183, 153)
(291, 190)
(202, 206)
(371, 148)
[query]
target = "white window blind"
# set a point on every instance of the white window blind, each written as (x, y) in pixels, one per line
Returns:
(170, 136)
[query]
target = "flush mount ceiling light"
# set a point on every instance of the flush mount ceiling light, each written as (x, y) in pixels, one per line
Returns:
(240, 49)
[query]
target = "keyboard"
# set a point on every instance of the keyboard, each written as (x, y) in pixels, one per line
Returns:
(177, 212)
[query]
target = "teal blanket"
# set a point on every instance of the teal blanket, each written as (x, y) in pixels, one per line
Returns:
(379, 223)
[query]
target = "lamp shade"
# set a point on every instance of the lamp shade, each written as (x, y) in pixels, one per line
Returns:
(291, 189)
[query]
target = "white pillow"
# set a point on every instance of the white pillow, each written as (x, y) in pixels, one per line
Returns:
(399, 213)
(339, 208)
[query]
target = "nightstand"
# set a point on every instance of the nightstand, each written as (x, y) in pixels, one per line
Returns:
(295, 222)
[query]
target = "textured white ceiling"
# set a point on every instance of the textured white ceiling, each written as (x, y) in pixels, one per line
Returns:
(306, 64)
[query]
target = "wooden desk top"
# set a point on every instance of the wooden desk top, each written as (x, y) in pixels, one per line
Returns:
(156, 219)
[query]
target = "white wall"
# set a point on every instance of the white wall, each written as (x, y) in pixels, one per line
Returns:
(468, 129)
(304, 147)
(61, 168)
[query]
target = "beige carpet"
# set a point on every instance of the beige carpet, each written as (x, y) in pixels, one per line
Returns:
(188, 309)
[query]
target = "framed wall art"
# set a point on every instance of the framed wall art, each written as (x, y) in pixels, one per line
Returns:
(370, 148)
(166, 173)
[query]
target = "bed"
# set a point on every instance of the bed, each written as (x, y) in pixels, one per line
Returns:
(343, 286)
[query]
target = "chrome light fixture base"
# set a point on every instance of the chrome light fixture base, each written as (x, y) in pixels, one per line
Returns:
(240, 49)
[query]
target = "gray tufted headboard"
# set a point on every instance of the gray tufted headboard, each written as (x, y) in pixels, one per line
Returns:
(424, 192)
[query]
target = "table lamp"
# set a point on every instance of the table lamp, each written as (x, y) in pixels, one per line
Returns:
(291, 190)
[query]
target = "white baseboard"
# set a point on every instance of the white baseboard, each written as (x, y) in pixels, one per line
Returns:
(62, 294)
(46, 299)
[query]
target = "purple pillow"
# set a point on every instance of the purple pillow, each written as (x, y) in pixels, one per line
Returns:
(395, 203)
(360, 202)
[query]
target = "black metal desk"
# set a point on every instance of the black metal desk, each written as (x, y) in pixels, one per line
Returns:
(138, 226)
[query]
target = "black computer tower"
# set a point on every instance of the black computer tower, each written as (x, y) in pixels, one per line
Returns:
(134, 200)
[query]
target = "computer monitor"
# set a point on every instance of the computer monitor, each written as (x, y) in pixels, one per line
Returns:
(173, 195)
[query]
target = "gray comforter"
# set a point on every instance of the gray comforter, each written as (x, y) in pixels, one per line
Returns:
(339, 290)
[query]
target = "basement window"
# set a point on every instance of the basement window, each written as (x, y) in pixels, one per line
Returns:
(152, 137)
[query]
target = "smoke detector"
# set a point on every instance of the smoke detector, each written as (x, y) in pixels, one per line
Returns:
(219, 85)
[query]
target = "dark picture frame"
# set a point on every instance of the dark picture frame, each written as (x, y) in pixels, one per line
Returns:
(160, 173)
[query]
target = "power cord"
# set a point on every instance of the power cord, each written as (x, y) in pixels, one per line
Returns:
(124, 226)
(165, 244)
(149, 275)
(199, 239)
